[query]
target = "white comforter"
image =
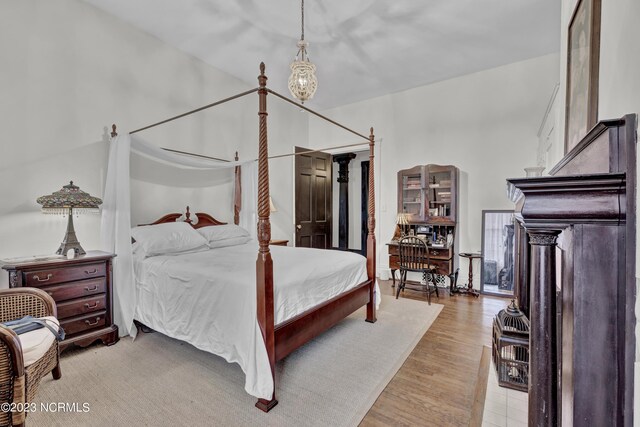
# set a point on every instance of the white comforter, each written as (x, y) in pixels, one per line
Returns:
(208, 298)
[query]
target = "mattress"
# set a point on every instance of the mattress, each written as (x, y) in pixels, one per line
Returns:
(208, 298)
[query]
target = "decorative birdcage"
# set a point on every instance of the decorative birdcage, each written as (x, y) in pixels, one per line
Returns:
(511, 348)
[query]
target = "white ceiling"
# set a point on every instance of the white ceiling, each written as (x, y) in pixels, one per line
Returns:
(362, 48)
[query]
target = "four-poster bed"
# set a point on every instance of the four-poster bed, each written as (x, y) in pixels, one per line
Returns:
(280, 339)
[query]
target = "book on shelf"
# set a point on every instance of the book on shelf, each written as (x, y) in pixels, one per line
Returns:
(443, 210)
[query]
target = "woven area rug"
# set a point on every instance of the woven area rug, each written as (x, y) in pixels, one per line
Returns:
(157, 381)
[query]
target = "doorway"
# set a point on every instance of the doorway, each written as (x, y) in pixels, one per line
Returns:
(313, 199)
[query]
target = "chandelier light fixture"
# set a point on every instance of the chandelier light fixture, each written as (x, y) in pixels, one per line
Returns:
(302, 82)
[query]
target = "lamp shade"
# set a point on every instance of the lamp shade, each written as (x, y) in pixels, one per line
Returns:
(402, 219)
(65, 201)
(69, 197)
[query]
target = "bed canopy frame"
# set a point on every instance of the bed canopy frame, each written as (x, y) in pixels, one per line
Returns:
(282, 339)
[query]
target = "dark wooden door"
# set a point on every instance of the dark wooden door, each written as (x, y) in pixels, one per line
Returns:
(313, 199)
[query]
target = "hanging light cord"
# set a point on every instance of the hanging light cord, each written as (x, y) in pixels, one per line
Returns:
(302, 20)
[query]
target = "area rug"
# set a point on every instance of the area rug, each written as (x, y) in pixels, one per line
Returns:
(158, 381)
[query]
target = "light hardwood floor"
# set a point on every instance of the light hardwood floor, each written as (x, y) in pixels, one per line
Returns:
(436, 384)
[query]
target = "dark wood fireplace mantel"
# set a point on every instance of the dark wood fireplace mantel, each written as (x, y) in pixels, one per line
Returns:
(582, 342)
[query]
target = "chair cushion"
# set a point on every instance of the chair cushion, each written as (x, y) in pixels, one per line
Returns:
(36, 343)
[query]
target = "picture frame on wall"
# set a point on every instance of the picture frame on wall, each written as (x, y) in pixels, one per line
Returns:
(583, 61)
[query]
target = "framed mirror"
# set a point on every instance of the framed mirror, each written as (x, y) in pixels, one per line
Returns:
(498, 252)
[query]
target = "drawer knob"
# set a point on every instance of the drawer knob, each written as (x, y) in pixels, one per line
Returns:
(40, 279)
(94, 271)
(88, 322)
(97, 303)
(88, 289)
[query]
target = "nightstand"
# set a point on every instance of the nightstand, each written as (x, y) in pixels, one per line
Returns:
(279, 242)
(82, 290)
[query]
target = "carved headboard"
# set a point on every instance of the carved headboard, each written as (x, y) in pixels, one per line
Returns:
(204, 219)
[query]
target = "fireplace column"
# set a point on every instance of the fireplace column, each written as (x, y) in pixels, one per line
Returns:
(343, 178)
(543, 357)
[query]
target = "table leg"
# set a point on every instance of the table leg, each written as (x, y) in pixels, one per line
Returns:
(470, 289)
(393, 277)
(467, 290)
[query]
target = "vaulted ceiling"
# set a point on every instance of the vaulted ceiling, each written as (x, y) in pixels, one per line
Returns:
(362, 48)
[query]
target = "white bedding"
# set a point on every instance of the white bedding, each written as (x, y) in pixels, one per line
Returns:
(208, 298)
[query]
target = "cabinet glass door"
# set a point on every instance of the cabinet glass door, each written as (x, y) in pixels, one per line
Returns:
(440, 186)
(412, 195)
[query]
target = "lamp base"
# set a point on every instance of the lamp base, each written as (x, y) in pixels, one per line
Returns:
(64, 248)
(70, 240)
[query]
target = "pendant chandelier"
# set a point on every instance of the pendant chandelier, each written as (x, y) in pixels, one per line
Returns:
(302, 82)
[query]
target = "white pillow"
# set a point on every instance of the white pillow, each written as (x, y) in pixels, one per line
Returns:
(168, 238)
(222, 232)
(233, 241)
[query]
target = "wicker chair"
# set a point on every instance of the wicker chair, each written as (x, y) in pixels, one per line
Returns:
(19, 384)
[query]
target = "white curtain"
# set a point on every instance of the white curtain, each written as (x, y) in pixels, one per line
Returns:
(116, 213)
(249, 199)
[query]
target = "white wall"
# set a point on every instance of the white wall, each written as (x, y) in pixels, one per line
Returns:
(69, 71)
(484, 123)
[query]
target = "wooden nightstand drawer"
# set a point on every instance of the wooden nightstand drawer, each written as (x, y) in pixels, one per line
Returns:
(39, 278)
(83, 323)
(78, 289)
(82, 306)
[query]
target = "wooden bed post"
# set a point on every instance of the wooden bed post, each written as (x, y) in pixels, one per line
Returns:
(237, 193)
(264, 264)
(371, 238)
